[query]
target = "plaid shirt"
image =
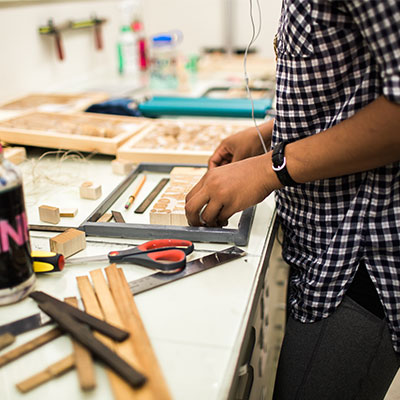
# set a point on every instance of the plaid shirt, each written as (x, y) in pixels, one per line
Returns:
(334, 58)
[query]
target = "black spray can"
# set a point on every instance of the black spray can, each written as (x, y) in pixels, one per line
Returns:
(17, 278)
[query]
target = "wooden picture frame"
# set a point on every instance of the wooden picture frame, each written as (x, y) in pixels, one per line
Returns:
(178, 140)
(93, 227)
(54, 102)
(80, 131)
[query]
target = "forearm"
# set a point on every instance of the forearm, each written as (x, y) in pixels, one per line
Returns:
(369, 139)
(266, 129)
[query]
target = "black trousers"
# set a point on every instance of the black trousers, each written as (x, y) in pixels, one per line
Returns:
(347, 356)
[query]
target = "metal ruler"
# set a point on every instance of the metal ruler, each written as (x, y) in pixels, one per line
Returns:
(193, 267)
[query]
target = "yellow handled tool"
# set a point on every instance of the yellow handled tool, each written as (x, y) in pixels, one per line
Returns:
(47, 261)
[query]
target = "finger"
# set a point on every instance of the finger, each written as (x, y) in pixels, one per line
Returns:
(223, 223)
(225, 214)
(209, 215)
(195, 189)
(193, 208)
(220, 156)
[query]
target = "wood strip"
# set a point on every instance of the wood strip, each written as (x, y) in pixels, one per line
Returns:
(83, 358)
(83, 334)
(52, 371)
(107, 217)
(138, 335)
(29, 346)
(120, 388)
(95, 323)
(6, 339)
(117, 216)
(113, 316)
(151, 196)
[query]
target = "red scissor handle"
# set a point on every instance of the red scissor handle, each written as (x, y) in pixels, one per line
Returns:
(184, 245)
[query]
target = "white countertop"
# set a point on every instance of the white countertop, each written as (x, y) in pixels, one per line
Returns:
(196, 325)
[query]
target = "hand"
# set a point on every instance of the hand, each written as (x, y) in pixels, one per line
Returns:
(241, 145)
(230, 188)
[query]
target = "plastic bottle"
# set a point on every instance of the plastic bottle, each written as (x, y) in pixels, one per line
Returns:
(17, 278)
(128, 63)
(164, 61)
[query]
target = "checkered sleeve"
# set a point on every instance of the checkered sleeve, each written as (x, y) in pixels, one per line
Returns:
(379, 24)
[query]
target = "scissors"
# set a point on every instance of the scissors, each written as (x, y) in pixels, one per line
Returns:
(166, 255)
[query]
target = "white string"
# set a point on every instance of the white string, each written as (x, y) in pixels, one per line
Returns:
(254, 36)
(39, 173)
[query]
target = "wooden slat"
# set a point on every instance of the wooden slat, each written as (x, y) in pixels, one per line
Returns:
(138, 335)
(117, 216)
(52, 371)
(95, 323)
(112, 316)
(82, 333)
(83, 358)
(29, 346)
(120, 388)
(6, 339)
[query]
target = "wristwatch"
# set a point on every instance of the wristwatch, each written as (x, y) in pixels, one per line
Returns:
(279, 165)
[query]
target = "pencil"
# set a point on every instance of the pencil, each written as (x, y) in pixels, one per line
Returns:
(135, 193)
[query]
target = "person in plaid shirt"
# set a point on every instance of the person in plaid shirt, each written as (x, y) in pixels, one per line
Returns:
(335, 170)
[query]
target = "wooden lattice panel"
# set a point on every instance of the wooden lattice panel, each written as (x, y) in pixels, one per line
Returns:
(52, 102)
(78, 131)
(178, 141)
(170, 208)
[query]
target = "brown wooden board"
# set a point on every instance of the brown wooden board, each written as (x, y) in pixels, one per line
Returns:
(178, 141)
(86, 132)
(54, 102)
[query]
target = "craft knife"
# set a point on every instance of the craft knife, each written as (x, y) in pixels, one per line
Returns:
(138, 286)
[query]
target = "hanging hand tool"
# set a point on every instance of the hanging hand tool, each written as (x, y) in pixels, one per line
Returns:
(51, 29)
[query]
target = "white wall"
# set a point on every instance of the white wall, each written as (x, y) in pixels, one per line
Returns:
(28, 61)
(203, 22)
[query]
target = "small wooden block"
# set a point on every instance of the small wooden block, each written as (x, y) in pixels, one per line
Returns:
(49, 214)
(68, 212)
(160, 217)
(122, 167)
(15, 154)
(69, 242)
(178, 217)
(107, 217)
(192, 171)
(90, 190)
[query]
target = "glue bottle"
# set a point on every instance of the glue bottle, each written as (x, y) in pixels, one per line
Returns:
(128, 60)
(17, 278)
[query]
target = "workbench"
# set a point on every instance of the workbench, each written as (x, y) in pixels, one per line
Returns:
(208, 330)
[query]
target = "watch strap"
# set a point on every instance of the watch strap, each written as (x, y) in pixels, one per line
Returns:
(279, 165)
